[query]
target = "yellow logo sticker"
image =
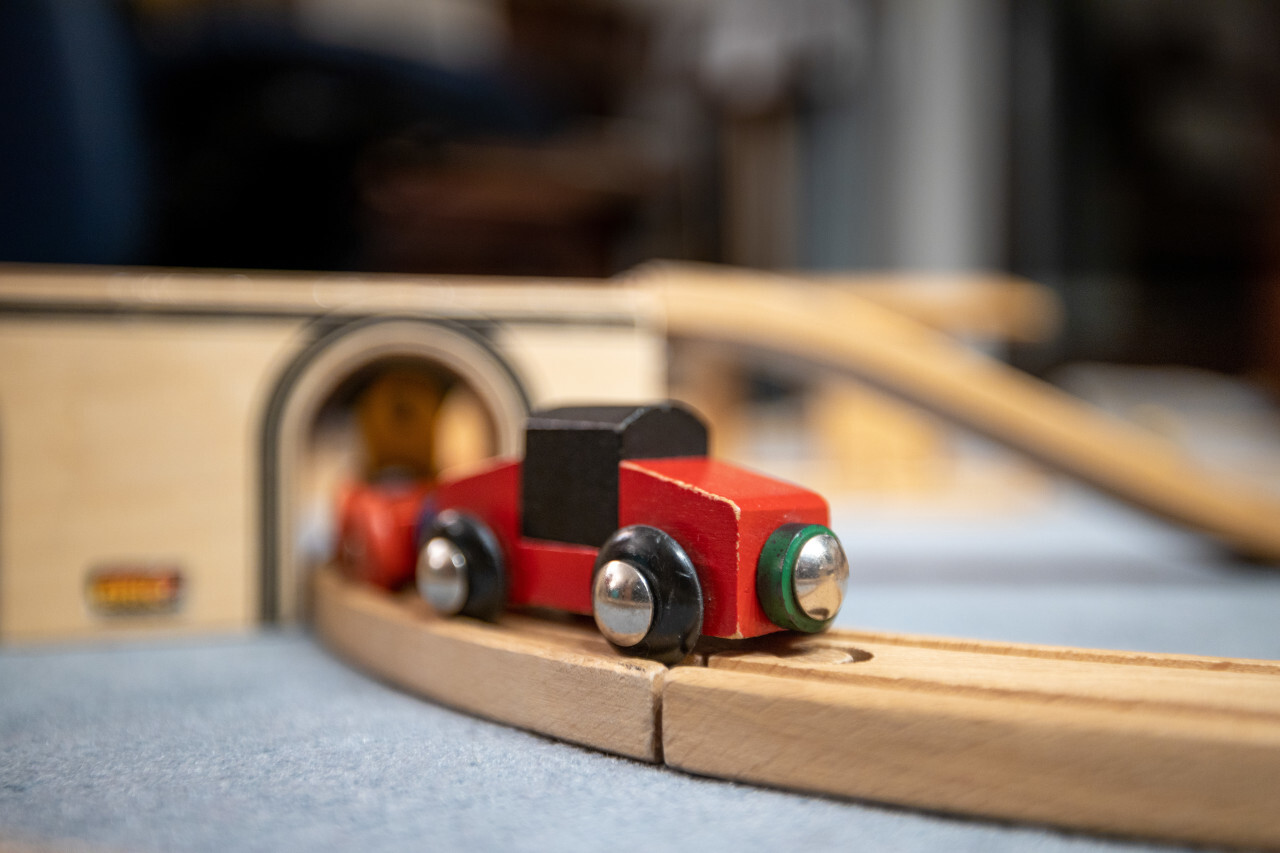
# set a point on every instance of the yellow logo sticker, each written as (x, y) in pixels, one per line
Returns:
(134, 591)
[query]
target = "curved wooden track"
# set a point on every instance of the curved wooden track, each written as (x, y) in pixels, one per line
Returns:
(1160, 746)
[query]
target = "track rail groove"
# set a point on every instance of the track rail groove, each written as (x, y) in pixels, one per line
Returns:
(1171, 747)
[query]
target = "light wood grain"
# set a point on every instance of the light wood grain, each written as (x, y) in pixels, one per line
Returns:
(558, 681)
(227, 292)
(834, 327)
(975, 306)
(1185, 772)
(1119, 679)
(1171, 747)
(128, 444)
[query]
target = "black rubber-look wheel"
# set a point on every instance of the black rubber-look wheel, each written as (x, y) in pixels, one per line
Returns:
(677, 595)
(486, 570)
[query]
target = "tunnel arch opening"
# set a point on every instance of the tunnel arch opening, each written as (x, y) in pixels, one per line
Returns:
(372, 398)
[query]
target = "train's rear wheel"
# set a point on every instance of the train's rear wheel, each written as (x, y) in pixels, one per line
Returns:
(460, 567)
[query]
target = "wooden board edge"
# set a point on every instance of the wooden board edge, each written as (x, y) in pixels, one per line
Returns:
(542, 682)
(1144, 773)
(1200, 772)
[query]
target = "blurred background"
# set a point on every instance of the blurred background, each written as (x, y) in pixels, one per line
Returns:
(1089, 189)
(1125, 155)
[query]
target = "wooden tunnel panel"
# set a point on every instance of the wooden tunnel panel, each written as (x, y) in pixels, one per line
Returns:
(126, 447)
(153, 424)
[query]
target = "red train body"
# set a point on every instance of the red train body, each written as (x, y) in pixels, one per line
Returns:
(377, 530)
(695, 546)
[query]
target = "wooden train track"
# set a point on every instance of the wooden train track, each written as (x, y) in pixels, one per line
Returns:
(1159, 746)
(838, 329)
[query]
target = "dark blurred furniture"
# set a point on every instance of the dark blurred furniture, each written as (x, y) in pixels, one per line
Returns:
(74, 174)
(227, 139)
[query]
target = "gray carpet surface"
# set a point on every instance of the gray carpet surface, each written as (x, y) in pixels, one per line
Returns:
(266, 742)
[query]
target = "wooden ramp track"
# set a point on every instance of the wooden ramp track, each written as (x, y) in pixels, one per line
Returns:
(1159, 746)
(835, 327)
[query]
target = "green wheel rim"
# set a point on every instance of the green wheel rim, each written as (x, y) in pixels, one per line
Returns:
(775, 585)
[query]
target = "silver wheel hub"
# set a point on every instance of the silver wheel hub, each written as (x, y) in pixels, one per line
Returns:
(622, 603)
(820, 576)
(442, 575)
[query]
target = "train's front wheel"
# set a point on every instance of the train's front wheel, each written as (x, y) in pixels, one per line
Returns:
(645, 595)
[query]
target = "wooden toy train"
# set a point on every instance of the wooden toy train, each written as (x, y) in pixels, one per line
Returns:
(617, 512)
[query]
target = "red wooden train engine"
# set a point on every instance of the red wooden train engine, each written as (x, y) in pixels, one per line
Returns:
(617, 512)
